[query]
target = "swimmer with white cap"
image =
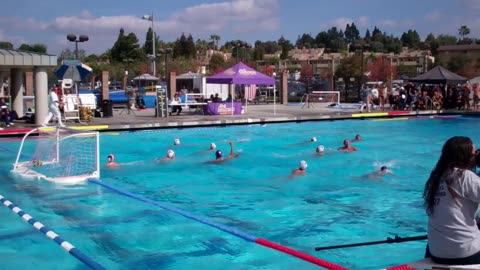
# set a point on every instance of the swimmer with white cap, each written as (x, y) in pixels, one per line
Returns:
(320, 150)
(111, 161)
(213, 146)
(302, 168)
(170, 155)
(176, 142)
(313, 139)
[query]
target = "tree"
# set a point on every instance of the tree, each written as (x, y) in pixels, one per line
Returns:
(216, 63)
(305, 40)
(349, 67)
(215, 39)
(182, 48)
(368, 36)
(258, 51)
(39, 48)
(69, 54)
(126, 47)
(351, 33)
(286, 47)
(432, 43)
(410, 39)
(380, 69)
(464, 31)
(147, 47)
(444, 40)
(6, 45)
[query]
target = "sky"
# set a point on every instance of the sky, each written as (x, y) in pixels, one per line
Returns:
(49, 21)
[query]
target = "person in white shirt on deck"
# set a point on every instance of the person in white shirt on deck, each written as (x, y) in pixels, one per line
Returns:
(53, 109)
(452, 199)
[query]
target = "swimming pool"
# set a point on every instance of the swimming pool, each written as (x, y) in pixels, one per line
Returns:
(253, 193)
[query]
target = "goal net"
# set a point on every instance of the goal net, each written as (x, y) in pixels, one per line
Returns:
(59, 155)
(323, 97)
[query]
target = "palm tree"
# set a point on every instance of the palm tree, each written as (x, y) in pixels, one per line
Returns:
(215, 38)
(463, 31)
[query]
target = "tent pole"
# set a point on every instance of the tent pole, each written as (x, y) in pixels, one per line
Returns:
(246, 97)
(232, 91)
(274, 101)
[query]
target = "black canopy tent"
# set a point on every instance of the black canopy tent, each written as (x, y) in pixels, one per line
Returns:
(439, 75)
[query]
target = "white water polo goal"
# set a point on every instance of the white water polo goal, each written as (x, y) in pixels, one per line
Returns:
(58, 154)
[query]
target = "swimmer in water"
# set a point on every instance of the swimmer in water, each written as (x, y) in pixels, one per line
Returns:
(357, 138)
(176, 142)
(170, 155)
(111, 161)
(313, 139)
(320, 150)
(213, 146)
(347, 147)
(377, 175)
(302, 168)
(219, 155)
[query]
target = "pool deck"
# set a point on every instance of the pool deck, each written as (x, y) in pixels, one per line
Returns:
(254, 114)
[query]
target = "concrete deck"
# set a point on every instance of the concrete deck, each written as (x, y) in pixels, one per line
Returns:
(254, 114)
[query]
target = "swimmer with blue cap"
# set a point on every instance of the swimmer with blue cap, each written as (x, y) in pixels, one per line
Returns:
(302, 168)
(219, 155)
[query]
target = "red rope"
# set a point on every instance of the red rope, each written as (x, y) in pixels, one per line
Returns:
(401, 267)
(298, 254)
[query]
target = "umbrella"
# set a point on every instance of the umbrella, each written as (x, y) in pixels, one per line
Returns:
(73, 69)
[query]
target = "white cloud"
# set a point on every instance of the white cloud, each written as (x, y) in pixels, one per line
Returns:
(389, 23)
(342, 22)
(15, 40)
(363, 21)
(470, 4)
(239, 16)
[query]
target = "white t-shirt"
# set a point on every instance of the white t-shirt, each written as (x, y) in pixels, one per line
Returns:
(452, 229)
(53, 100)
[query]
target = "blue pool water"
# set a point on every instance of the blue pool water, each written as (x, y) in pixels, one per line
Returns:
(253, 193)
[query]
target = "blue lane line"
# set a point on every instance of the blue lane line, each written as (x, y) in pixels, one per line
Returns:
(224, 228)
(52, 235)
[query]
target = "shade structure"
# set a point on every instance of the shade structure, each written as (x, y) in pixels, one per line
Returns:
(439, 75)
(145, 77)
(475, 80)
(241, 74)
(73, 69)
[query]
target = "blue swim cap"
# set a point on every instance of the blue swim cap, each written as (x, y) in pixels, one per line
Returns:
(218, 154)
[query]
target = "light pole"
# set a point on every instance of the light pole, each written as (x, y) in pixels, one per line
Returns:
(150, 18)
(73, 38)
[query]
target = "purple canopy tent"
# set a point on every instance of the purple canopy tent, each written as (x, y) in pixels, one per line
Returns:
(243, 74)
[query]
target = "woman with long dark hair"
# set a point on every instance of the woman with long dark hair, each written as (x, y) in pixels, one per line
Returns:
(452, 198)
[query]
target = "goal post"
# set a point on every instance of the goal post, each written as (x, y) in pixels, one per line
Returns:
(60, 155)
(324, 97)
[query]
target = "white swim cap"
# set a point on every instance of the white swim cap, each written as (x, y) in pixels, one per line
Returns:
(176, 142)
(170, 153)
(111, 156)
(320, 148)
(213, 145)
(313, 139)
(303, 165)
